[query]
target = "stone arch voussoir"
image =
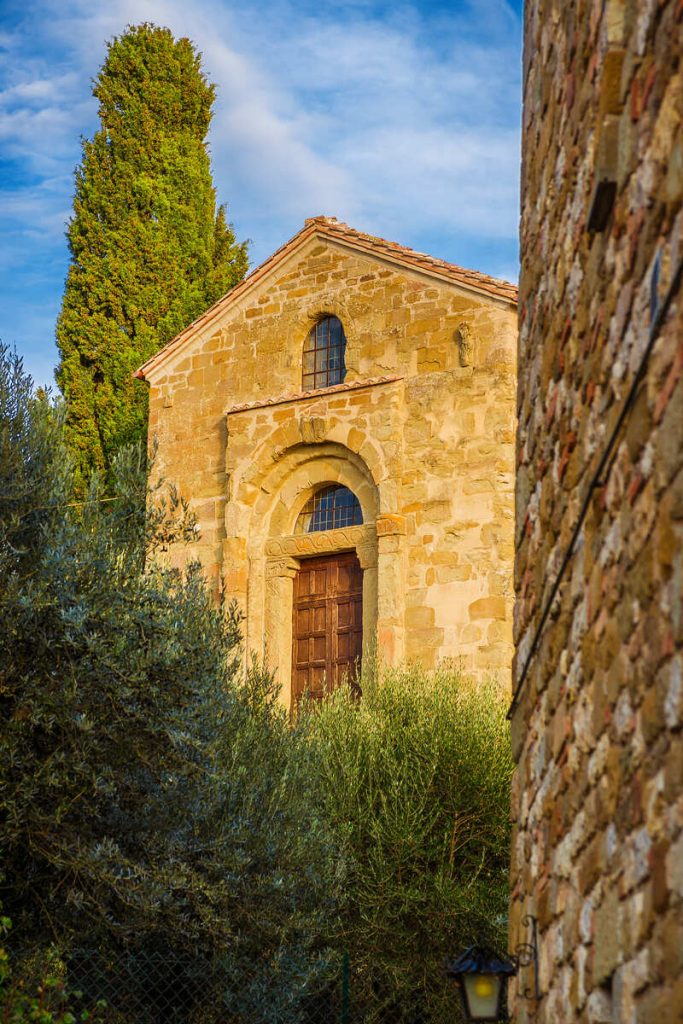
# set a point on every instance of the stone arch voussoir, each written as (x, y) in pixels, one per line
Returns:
(294, 477)
(294, 434)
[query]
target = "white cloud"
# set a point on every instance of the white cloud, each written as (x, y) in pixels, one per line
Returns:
(362, 118)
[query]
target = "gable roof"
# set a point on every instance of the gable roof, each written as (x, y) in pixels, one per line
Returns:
(334, 230)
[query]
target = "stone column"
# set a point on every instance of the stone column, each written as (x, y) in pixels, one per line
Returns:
(391, 587)
(277, 628)
(234, 571)
(367, 556)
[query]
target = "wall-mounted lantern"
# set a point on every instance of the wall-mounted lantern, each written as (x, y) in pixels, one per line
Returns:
(482, 977)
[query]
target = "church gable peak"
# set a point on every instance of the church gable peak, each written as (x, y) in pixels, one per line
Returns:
(329, 229)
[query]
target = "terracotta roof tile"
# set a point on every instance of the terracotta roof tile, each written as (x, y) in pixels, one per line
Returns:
(351, 385)
(330, 227)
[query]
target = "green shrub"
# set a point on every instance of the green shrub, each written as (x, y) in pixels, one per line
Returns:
(413, 780)
(39, 995)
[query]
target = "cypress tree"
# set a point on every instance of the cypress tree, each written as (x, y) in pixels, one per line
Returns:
(150, 249)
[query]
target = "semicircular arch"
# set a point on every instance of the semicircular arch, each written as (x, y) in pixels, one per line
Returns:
(265, 461)
(291, 481)
(309, 476)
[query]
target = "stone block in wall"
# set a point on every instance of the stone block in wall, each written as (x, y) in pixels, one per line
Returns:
(487, 608)
(608, 937)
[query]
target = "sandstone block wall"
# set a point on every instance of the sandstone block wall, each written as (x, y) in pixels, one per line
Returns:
(422, 431)
(598, 730)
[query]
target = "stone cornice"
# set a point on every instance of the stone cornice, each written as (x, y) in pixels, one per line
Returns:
(302, 396)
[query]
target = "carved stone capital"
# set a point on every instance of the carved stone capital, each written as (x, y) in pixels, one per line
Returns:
(367, 553)
(281, 567)
(389, 525)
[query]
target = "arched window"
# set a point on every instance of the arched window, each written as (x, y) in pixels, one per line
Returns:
(324, 354)
(330, 508)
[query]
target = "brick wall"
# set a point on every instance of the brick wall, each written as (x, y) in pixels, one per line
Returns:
(597, 731)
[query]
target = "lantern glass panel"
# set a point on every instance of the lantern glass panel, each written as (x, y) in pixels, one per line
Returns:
(483, 993)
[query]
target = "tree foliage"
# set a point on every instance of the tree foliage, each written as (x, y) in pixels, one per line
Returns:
(150, 250)
(151, 796)
(157, 800)
(37, 994)
(108, 663)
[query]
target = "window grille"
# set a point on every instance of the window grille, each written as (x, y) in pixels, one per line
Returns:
(330, 508)
(324, 355)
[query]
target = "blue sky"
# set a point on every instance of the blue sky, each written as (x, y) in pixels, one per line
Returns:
(400, 118)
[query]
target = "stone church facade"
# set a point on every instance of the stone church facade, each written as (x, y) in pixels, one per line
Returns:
(342, 424)
(597, 717)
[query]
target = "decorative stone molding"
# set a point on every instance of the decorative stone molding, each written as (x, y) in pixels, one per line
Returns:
(271, 462)
(325, 542)
(304, 396)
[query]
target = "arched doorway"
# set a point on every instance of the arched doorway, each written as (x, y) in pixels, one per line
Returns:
(327, 604)
(312, 576)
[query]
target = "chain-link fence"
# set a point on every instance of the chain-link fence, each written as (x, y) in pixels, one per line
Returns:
(154, 988)
(159, 988)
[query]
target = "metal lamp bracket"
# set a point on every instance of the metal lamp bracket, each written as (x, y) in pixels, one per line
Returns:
(526, 955)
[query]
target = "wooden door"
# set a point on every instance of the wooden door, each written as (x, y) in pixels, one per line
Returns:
(328, 624)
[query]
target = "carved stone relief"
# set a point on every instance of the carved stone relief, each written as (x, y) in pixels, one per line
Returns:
(463, 336)
(280, 567)
(322, 543)
(313, 429)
